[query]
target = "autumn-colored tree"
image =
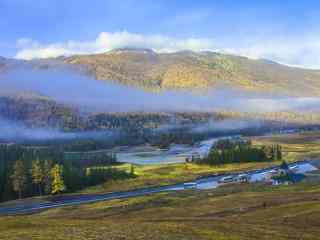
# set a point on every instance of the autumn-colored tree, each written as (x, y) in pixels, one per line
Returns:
(19, 177)
(37, 173)
(88, 172)
(57, 179)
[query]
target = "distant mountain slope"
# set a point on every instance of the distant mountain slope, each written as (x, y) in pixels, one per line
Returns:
(187, 70)
(198, 71)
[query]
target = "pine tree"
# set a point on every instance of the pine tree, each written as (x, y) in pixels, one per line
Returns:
(57, 179)
(37, 173)
(279, 152)
(273, 157)
(19, 177)
(47, 177)
(132, 170)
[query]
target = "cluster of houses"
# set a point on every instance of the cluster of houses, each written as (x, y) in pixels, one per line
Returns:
(275, 176)
(284, 174)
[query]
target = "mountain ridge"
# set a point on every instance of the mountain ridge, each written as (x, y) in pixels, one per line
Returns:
(186, 70)
(198, 71)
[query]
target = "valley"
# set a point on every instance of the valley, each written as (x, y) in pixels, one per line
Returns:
(159, 120)
(163, 171)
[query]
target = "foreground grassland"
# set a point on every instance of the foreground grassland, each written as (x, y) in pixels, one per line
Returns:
(231, 212)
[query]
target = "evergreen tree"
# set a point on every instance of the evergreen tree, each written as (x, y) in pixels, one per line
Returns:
(284, 165)
(227, 151)
(132, 170)
(19, 178)
(274, 152)
(57, 179)
(279, 152)
(37, 173)
(47, 177)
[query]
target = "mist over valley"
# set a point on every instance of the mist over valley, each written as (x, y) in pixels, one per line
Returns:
(47, 99)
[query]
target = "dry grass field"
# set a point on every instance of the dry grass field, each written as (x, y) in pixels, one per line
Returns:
(233, 212)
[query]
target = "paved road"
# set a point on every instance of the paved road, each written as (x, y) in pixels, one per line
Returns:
(29, 208)
(201, 184)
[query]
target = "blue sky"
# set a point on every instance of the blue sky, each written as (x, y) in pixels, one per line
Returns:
(287, 31)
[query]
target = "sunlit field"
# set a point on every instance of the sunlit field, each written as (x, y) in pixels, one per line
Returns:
(233, 212)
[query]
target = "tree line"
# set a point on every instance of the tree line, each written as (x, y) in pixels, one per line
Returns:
(26, 172)
(239, 151)
(48, 179)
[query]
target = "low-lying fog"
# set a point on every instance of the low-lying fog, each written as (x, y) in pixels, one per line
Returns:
(68, 86)
(12, 131)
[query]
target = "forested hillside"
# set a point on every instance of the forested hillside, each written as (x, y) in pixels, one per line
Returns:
(41, 112)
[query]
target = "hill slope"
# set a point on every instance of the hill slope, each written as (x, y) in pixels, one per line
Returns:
(198, 71)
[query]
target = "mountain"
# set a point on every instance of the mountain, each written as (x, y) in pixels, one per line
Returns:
(201, 71)
(152, 71)
(187, 70)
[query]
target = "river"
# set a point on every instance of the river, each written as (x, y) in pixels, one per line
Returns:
(176, 153)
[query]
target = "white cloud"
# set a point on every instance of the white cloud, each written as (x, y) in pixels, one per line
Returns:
(303, 52)
(30, 49)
